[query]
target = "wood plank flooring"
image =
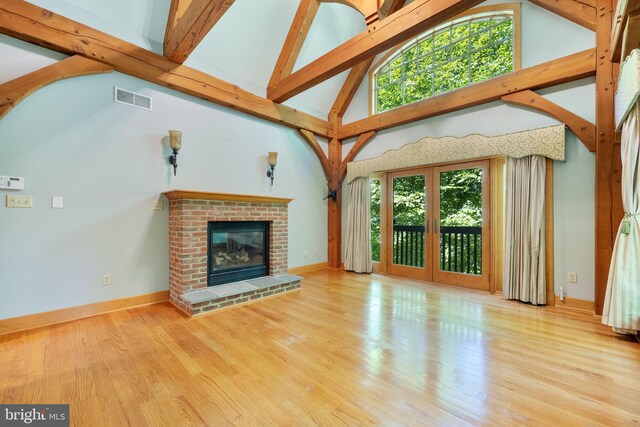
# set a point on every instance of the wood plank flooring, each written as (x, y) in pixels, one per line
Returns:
(346, 349)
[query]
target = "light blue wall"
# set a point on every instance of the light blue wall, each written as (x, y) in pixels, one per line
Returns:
(545, 36)
(109, 163)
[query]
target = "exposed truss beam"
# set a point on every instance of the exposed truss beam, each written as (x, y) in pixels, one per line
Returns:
(295, 39)
(361, 142)
(582, 12)
(359, 71)
(583, 129)
(410, 21)
(14, 91)
(368, 8)
(624, 34)
(311, 139)
(562, 70)
(189, 22)
(350, 87)
(31, 23)
(389, 6)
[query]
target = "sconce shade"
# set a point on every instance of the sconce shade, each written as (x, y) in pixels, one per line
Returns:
(175, 140)
(273, 158)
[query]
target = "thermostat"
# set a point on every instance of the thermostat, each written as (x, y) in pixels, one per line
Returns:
(11, 183)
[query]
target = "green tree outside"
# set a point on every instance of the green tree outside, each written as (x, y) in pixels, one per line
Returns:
(460, 204)
(457, 56)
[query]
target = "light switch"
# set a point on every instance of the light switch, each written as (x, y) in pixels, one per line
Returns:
(158, 205)
(19, 201)
(57, 202)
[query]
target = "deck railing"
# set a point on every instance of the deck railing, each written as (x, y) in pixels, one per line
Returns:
(460, 247)
(408, 245)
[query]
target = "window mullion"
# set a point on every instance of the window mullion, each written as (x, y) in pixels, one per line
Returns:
(489, 53)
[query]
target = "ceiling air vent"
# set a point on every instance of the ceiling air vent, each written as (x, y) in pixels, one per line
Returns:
(133, 99)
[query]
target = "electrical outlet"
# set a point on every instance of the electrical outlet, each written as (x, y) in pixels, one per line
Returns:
(158, 205)
(106, 279)
(306, 253)
(19, 201)
(572, 277)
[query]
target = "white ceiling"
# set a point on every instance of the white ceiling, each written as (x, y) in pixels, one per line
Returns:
(242, 48)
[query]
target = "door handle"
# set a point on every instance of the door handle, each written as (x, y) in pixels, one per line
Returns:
(435, 225)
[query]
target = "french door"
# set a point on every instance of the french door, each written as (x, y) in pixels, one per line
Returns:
(438, 224)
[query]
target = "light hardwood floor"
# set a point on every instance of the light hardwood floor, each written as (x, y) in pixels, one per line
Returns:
(347, 349)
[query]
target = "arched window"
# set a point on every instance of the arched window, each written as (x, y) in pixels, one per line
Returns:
(470, 49)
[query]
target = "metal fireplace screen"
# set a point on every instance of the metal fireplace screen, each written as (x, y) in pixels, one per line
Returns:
(237, 250)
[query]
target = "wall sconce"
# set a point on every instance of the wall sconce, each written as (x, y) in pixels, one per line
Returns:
(175, 142)
(273, 159)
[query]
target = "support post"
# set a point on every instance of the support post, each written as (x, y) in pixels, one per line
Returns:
(608, 164)
(335, 208)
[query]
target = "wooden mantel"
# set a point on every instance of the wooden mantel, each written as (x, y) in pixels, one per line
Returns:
(203, 195)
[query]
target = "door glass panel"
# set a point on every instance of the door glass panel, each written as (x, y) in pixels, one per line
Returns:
(461, 221)
(409, 220)
(375, 220)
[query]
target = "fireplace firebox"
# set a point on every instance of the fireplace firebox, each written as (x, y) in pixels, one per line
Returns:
(237, 250)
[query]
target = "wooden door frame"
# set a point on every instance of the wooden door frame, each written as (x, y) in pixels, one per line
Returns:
(482, 282)
(381, 266)
(419, 273)
(497, 223)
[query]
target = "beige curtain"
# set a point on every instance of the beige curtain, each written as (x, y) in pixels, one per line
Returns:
(524, 268)
(357, 256)
(621, 308)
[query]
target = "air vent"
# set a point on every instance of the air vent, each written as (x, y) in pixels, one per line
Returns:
(133, 99)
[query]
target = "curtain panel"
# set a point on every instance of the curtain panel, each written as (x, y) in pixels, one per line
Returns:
(621, 308)
(524, 242)
(357, 255)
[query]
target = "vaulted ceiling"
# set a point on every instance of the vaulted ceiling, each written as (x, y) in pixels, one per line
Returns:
(241, 48)
(230, 49)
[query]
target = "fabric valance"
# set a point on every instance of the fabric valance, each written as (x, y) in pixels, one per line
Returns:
(548, 142)
(628, 87)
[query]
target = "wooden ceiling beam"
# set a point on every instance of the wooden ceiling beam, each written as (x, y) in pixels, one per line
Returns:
(25, 21)
(389, 7)
(188, 23)
(350, 87)
(583, 129)
(359, 71)
(562, 70)
(361, 142)
(14, 91)
(302, 21)
(311, 139)
(582, 12)
(408, 22)
(368, 8)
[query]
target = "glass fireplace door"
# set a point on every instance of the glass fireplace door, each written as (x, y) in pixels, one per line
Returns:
(237, 250)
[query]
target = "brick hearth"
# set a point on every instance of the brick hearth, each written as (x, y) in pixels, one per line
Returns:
(189, 213)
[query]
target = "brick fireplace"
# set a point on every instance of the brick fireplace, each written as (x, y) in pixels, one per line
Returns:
(189, 215)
